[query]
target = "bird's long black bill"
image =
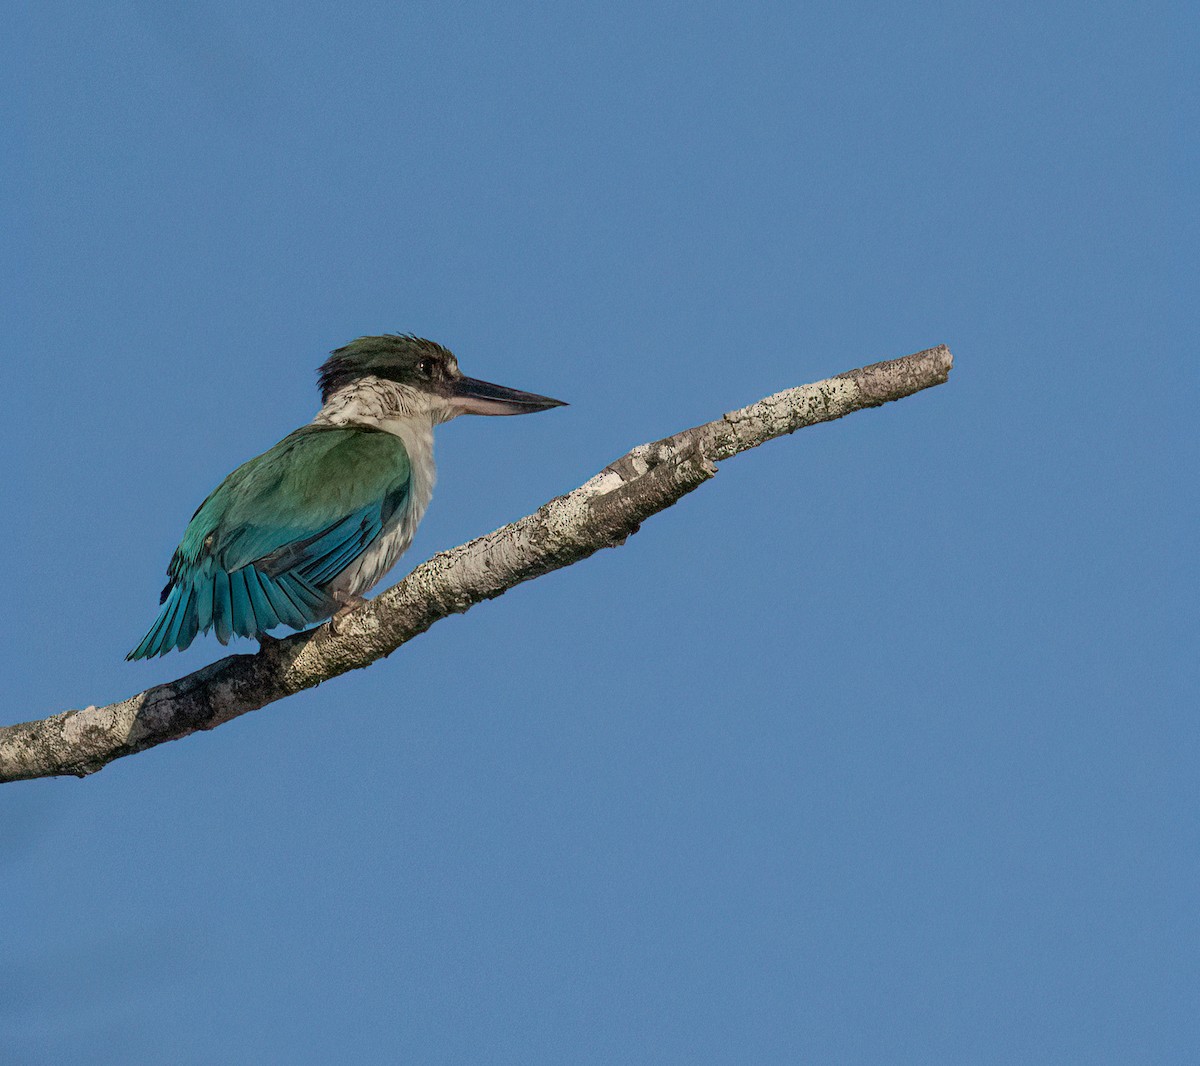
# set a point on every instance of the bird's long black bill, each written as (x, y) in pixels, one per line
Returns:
(474, 397)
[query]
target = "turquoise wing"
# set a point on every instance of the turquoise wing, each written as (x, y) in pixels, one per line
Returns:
(261, 551)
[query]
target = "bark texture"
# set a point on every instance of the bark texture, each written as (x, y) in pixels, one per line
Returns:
(599, 514)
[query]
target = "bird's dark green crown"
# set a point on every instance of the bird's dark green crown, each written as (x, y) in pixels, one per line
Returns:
(394, 356)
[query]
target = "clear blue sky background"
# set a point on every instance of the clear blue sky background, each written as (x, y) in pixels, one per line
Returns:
(883, 747)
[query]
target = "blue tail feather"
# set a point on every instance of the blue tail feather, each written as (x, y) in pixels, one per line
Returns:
(162, 626)
(246, 602)
(178, 624)
(264, 613)
(204, 599)
(285, 610)
(312, 603)
(222, 611)
(329, 566)
(189, 625)
(244, 624)
(142, 651)
(156, 641)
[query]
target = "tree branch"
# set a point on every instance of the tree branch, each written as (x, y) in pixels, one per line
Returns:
(599, 514)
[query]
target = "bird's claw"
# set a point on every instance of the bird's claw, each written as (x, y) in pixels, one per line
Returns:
(338, 621)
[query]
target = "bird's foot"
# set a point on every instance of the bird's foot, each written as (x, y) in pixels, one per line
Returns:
(349, 604)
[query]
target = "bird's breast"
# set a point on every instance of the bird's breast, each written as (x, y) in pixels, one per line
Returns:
(417, 437)
(367, 570)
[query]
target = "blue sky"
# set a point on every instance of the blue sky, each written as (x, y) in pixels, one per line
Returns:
(882, 747)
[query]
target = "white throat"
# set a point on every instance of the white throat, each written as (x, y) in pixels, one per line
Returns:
(375, 401)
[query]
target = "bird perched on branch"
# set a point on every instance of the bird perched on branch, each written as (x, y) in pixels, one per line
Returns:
(300, 533)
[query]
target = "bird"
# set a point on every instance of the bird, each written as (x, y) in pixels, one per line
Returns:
(300, 533)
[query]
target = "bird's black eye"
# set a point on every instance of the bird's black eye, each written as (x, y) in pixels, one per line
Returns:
(425, 368)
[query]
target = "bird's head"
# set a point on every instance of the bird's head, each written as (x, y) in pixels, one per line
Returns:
(427, 371)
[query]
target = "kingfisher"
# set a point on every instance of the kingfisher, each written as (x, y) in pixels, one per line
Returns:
(300, 533)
